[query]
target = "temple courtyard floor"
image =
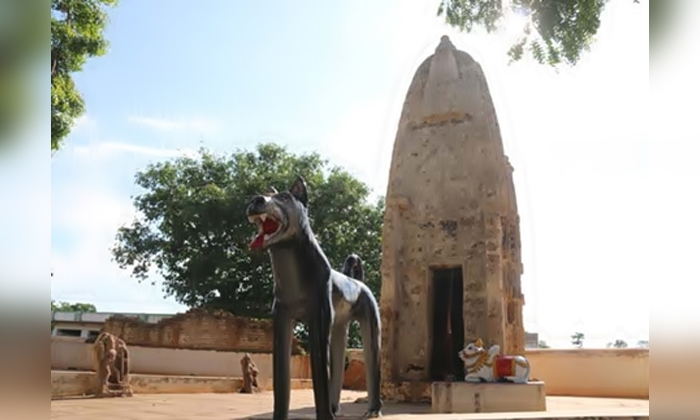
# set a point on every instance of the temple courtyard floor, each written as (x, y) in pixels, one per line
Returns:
(232, 406)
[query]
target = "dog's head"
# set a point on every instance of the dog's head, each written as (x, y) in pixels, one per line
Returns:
(353, 267)
(280, 216)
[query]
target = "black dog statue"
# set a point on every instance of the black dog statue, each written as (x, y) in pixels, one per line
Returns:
(309, 290)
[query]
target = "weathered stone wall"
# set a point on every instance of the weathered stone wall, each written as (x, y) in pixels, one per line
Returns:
(197, 329)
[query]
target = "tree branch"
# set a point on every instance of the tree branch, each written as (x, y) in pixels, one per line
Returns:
(54, 60)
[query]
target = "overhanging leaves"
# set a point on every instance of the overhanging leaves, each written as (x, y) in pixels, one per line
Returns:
(76, 35)
(557, 31)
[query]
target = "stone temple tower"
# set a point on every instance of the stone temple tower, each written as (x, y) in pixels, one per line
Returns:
(451, 262)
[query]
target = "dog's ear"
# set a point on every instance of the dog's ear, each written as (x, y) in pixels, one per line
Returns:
(298, 190)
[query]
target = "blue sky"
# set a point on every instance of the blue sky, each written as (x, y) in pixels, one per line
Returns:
(316, 76)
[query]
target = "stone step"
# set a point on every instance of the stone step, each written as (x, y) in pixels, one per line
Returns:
(80, 383)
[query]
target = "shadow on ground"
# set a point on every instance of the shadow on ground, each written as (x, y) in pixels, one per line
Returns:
(349, 410)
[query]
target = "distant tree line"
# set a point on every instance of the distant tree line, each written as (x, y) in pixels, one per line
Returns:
(72, 307)
(578, 338)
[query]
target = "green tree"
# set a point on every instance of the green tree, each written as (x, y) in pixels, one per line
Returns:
(557, 31)
(72, 307)
(192, 229)
(76, 34)
(643, 343)
(577, 339)
(542, 344)
(618, 344)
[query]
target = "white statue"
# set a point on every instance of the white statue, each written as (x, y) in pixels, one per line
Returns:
(489, 366)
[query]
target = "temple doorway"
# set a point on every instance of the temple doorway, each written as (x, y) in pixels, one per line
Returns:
(447, 324)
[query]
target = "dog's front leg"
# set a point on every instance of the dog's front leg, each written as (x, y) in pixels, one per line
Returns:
(320, 323)
(339, 339)
(281, 353)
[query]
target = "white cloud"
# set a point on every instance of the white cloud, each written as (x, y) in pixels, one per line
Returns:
(110, 148)
(198, 125)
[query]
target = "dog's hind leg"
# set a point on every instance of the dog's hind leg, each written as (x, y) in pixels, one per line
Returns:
(370, 328)
(339, 338)
(320, 322)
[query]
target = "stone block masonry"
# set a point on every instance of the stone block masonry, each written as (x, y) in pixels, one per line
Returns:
(198, 329)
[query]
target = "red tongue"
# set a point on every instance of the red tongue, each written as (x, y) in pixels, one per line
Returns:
(258, 241)
(269, 226)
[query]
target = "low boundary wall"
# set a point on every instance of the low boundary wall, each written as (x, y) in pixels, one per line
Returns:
(614, 373)
(72, 354)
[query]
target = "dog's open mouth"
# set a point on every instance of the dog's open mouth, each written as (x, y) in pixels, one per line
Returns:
(267, 226)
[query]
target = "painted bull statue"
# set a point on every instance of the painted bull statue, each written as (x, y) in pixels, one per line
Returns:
(483, 365)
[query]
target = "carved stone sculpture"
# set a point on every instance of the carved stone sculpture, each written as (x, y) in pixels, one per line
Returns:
(111, 359)
(250, 375)
(481, 365)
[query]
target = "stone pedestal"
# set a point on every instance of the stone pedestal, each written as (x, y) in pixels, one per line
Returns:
(464, 397)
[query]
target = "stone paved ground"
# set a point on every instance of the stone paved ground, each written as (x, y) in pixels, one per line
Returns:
(240, 406)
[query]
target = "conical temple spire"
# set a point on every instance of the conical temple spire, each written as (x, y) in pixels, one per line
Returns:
(439, 93)
(451, 213)
(445, 43)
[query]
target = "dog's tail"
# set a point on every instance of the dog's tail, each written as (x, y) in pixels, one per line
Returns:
(353, 267)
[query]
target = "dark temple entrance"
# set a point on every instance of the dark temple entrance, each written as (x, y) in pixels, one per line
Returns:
(448, 324)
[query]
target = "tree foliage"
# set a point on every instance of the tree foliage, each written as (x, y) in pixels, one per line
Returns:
(618, 344)
(542, 344)
(577, 339)
(72, 307)
(76, 34)
(192, 228)
(556, 31)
